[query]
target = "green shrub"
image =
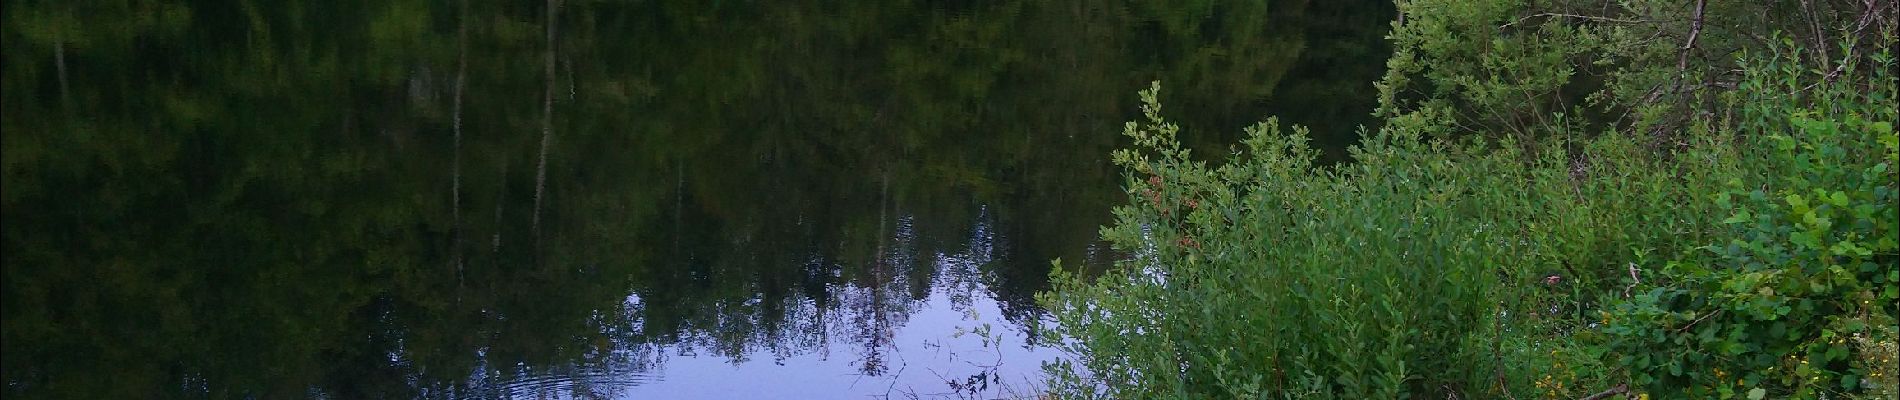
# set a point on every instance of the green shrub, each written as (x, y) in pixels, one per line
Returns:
(1650, 68)
(1596, 194)
(1799, 291)
(1426, 267)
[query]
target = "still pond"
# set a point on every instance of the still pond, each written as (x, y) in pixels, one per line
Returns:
(597, 199)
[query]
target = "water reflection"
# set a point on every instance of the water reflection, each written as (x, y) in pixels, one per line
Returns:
(915, 322)
(416, 199)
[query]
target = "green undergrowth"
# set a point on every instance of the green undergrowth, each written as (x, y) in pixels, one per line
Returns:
(1796, 296)
(1754, 257)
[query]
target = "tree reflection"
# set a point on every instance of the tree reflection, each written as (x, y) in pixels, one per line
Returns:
(284, 198)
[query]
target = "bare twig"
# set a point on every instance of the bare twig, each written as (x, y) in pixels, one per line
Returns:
(1497, 355)
(1820, 36)
(1695, 30)
(1860, 24)
(1634, 280)
(1573, 16)
(1698, 321)
(1620, 388)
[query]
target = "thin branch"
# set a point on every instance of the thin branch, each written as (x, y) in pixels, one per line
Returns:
(1573, 16)
(1682, 68)
(1695, 30)
(1820, 36)
(1846, 59)
(1634, 280)
(1698, 321)
(1497, 355)
(1620, 388)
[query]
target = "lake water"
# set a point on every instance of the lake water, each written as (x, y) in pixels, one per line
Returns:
(597, 199)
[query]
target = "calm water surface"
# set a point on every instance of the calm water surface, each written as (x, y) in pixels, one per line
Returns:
(595, 199)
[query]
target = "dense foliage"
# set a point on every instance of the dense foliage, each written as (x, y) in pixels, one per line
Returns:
(1644, 199)
(1796, 296)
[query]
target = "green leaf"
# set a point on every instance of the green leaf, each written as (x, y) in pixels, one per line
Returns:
(1757, 394)
(1782, 143)
(1838, 199)
(1836, 352)
(1797, 204)
(1805, 239)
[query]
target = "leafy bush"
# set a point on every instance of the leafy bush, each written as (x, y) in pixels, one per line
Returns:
(1436, 267)
(1796, 297)
(1592, 196)
(1427, 267)
(1650, 68)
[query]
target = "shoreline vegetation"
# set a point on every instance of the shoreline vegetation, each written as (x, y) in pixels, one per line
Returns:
(1570, 199)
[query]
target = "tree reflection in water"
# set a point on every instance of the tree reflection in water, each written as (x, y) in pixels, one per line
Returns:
(287, 198)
